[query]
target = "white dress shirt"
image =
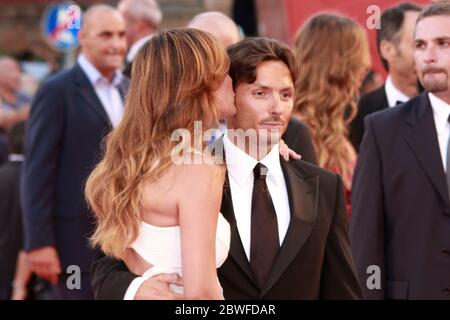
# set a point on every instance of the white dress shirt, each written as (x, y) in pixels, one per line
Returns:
(133, 288)
(441, 112)
(134, 49)
(393, 94)
(240, 174)
(106, 91)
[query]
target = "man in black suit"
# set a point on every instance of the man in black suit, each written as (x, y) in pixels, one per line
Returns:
(395, 43)
(70, 116)
(400, 223)
(301, 248)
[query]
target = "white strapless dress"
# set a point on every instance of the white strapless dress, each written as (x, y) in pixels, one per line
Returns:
(161, 247)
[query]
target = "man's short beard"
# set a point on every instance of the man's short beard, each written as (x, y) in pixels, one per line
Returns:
(434, 85)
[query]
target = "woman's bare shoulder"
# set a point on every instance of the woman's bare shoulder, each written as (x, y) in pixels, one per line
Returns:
(200, 173)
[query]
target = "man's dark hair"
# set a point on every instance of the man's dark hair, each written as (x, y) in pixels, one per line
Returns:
(391, 24)
(437, 9)
(16, 138)
(247, 54)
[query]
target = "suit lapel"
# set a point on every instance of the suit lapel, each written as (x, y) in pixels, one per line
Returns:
(87, 93)
(123, 89)
(377, 100)
(422, 138)
(303, 193)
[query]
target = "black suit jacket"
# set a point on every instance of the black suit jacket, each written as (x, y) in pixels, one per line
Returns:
(298, 138)
(127, 69)
(371, 102)
(400, 208)
(63, 144)
(314, 261)
(3, 147)
(11, 235)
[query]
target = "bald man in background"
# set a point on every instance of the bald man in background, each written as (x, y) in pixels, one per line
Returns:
(297, 135)
(219, 25)
(142, 20)
(71, 114)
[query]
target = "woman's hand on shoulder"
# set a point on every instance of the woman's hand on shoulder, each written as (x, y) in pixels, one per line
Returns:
(288, 153)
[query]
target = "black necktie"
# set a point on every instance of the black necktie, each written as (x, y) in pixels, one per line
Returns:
(398, 102)
(121, 87)
(264, 243)
(127, 69)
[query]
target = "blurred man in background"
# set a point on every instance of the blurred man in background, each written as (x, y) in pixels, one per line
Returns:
(70, 116)
(142, 20)
(14, 105)
(219, 25)
(395, 42)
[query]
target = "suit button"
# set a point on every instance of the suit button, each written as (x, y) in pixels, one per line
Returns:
(445, 253)
(446, 291)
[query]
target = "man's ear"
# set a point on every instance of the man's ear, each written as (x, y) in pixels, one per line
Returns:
(388, 50)
(81, 37)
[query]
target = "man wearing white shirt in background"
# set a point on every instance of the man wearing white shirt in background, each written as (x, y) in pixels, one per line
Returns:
(69, 118)
(395, 44)
(142, 20)
(106, 89)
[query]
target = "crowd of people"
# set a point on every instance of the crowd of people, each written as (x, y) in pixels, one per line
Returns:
(343, 191)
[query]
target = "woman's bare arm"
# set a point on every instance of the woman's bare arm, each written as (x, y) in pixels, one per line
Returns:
(199, 196)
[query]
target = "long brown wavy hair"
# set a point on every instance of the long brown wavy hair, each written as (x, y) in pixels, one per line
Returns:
(333, 56)
(174, 77)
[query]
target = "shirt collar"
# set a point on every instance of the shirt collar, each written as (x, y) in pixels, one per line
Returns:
(136, 46)
(393, 94)
(94, 75)
(441, 112)
(272, 162)
(240, 165)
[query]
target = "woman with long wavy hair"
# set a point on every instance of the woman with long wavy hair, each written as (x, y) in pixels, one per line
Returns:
(333, 56)
(158, 216)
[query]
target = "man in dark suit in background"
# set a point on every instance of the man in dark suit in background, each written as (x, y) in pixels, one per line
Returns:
(71, 114)
(400, 223)
(11, 234)
(301, 248)
(298, 138)
(395, 43)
